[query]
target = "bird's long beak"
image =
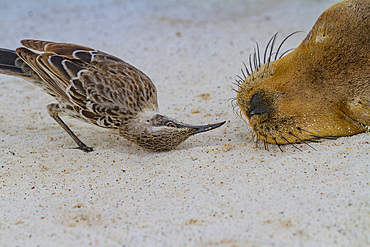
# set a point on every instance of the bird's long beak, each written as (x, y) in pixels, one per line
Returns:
(202, 128)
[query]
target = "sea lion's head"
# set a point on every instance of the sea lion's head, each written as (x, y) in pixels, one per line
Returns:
(320, 89)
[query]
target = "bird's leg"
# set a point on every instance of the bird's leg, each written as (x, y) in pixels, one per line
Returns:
(54, 110)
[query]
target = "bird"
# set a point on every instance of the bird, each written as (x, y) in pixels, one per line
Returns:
(100, 89)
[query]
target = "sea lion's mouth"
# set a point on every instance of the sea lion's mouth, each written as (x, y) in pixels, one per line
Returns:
(285, 131)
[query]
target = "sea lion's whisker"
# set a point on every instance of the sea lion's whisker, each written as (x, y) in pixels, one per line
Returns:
(272, 47)
(265, 143)
(234, 90)
(242, 116)
(237, 84)
(276, 70)
(291, 143)
(278, 144)
(233, 102)
(243, 74)
(240, 79)
(266, 48)
(256, 140)
(250, 65)
(263, 73)
(325, 137)
(258, 55)
(313, 140)
(234, 108)
(255, 60)
(237, 111)
(290, 133)
(246, 69)
(291, 49)
(233, 99)
(285, 39)
(269, 59)
(317, 136)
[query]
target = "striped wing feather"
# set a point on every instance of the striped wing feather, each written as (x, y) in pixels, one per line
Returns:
(96, 84)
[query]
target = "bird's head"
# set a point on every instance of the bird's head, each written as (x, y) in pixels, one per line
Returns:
(160, 133)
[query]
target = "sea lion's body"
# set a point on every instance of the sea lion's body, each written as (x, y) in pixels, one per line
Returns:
(322, 88)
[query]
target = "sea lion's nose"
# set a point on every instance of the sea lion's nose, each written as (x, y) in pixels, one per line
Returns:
(257, 106)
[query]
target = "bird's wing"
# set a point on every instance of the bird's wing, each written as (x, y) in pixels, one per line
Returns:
(89, 79)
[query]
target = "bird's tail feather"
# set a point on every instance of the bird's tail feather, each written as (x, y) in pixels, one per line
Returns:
(11, 64)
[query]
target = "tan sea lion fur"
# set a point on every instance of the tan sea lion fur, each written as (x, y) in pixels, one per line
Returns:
(321, 89)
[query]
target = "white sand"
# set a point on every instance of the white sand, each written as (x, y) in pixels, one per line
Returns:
(217, 188)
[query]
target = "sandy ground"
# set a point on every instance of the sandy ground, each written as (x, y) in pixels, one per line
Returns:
(218, 188)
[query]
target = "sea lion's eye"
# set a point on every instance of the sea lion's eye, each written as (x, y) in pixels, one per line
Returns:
(170, 124)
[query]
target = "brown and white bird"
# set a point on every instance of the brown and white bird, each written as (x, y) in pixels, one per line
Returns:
(100, 89)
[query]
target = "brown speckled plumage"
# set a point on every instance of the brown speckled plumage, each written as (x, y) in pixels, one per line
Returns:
(100, 89)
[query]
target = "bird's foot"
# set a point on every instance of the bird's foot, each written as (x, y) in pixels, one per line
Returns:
(84, 148)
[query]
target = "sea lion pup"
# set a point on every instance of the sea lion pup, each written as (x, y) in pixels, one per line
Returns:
(319, 90)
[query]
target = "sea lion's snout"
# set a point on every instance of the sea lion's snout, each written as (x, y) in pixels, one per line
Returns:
(319, 90)
(258, 106)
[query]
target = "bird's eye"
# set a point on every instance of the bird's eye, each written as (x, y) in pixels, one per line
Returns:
(170, 124)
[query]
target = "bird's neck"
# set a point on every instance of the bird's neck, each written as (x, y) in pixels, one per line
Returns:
(138, 125)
